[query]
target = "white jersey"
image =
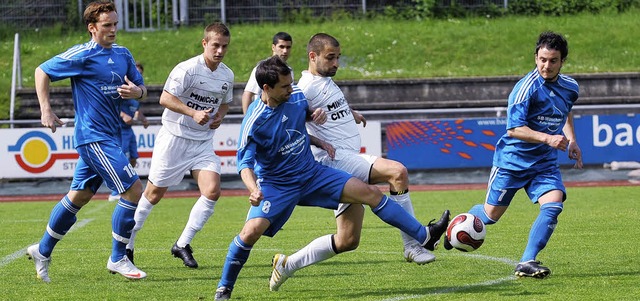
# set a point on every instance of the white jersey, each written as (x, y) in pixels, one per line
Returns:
(199, 88)
(252, 84)
(340, 129)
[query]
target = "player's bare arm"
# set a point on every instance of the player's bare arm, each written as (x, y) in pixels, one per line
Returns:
(219, 116)
(129, 90)
(574, 151)
(318, 116)
(173, 103)
(328, 147)
(526, 134)
(359, 118)
(47, 118)
(250, 181)
(247, 97)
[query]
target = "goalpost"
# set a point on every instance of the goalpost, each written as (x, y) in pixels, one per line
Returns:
(16, 77)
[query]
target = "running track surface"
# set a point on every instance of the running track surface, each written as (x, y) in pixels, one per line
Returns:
(241, 192)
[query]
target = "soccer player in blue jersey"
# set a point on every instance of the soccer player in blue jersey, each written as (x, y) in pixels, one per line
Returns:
(103, 74)
(277, 167)
(539, 123)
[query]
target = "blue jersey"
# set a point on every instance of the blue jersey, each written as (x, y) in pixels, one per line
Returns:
(95, 73)
(542, 106)
(274, 141)
(129, 107)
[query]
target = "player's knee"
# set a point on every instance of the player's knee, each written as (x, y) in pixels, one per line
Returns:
(346, 244)
(212, 194)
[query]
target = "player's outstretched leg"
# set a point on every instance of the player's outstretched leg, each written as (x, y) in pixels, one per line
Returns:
(533, 269)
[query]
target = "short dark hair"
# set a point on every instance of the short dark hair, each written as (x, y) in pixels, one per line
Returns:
(555, 41)
(281, 36)
(319, 41)
(269, 70)
(94, 9)
(216, 27)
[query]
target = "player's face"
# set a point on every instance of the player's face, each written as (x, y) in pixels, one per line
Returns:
(104, 30)
(327, 62)
(548, 63)
(282, 49)
(281, 90)
(215, 47)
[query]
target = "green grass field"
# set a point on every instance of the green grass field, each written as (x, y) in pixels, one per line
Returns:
(593, 254)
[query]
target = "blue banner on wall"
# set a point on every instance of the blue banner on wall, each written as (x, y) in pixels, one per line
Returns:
(469, 143)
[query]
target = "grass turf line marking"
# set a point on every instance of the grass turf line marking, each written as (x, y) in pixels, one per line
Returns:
(465, 286)
(17, 254)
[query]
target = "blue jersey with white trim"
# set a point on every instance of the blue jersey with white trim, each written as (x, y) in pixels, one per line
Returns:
(274, 141)
(96, 73)
(542, 106)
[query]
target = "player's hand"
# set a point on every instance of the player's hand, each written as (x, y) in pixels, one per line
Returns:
(202, 117)
(319, 116)
(145, 123)
(51, 121)
(328, 147)
(216, 122)
(129, 90)
(126, 118)
(575, 154)
(256, 197)
(559, 142)
(359, 118)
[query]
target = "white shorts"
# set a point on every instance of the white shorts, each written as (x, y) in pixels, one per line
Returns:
(174, 156)
(358, 165)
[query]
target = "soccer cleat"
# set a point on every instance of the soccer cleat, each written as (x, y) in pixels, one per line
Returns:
(185, 254)
(447, 244)
(532, 268)
(278, 275)
(436, 230)
(42, 263)
(223, 293)
(114, 198)
(129, 253)
(125, 268)
(418, 254)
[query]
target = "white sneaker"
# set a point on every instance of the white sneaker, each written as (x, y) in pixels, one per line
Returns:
(418, 254)
(114, 198)
(42, 263)
(125, 268)
(278, 274)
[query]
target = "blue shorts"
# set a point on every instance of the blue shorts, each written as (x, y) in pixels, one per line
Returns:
(129, 144)
(103, 161)
(503, 184)
(322, 189)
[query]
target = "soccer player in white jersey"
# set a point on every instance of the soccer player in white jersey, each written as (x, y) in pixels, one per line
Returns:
(103, 75)
(281, 46)
(341, 131)
(196, 98)
(539, 123)
(280, 172)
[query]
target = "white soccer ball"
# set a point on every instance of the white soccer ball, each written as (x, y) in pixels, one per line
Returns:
(466, 232)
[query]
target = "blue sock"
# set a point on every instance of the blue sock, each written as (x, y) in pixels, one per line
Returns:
(122, 223)
(393, 214)
(478, 210)
(236, 257)
(62, 217)
(541, 230)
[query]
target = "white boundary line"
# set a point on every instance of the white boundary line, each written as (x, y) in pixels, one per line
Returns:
(18, 254)
(464, 286)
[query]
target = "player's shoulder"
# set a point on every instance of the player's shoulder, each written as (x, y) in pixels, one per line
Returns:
(80, 51)
(223, 68)
(568, 82)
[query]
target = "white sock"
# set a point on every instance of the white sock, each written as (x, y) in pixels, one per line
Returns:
(142, 212)
(405, 202)
(200, 213)
(318, 250)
